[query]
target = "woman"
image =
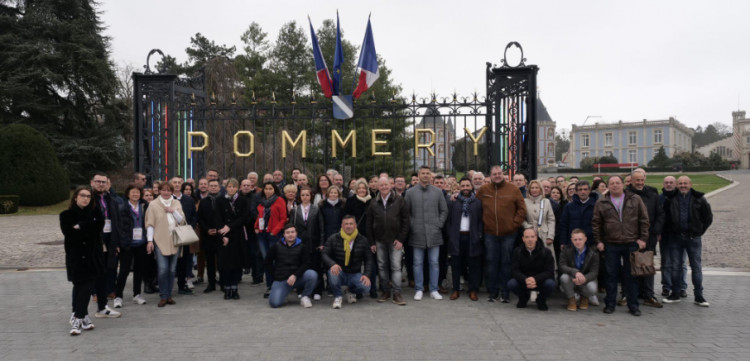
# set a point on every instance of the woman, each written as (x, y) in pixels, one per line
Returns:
(373, 185)
(350, 189)
(148, 195)
(330, 214)
(162, 217)
(570, 191)
(356, 206)
(305, 218)
(232, 213)
(149, 274)
(271, 218)
(132, 244)
(558, 202)
(321, 189)
(599, 187)
(290, 196)
(82, 224)
(539, 214)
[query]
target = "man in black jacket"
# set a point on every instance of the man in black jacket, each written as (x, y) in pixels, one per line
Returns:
(343, 255)
(209, 237)
(288, 261)
(533, 269)
(110, 206)
(689, 218)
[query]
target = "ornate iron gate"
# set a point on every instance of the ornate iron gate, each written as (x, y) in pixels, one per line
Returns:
(175, 115)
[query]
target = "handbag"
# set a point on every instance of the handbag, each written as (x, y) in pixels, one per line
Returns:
(184, 236)
(642, 263)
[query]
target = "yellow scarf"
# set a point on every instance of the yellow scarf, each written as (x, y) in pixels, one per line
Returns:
(347, 239)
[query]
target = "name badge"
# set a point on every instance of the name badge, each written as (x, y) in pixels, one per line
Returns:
(107, 226)
(137, 234)
(262, 224)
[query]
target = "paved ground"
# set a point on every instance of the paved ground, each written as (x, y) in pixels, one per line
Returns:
(724, 244)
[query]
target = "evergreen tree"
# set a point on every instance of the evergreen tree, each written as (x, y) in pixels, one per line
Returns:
(55, 75)
(660, 160)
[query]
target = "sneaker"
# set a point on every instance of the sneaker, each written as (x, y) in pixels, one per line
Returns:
(267, 293)
(700, 301)
(305, 302)
(198, 280)
(107, 313)
(75, 328)
(683, 293)
(86, 323)
(351, 298)
(316, 297)
(665, 293)
(418, 296)
(137, 299)
(337, 303)
(118, 302)
(652, 302)
(72, 318)
(185, 291)
(594, 301)
(623, 301)
(673, 298)
(189, 284)
(505, 299)
(493, 298)
(436, 295)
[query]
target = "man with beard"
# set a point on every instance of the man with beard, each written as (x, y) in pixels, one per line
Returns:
(209, 238)
(465, 239)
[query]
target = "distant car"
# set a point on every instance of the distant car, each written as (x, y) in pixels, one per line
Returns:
(677, 167)
(562, 165)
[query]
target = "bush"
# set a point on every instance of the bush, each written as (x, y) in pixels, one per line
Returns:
(30, 167)
(8, 204)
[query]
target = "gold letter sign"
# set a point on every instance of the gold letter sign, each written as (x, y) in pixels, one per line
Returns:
(302, 137)
(375, 143)
(191, 148)
(427, 146)
(476, 140)
(336, 139)
(237, 146)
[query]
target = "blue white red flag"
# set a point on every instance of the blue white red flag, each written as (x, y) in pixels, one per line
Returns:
(324, 77)
(367, 68)
(338, 60)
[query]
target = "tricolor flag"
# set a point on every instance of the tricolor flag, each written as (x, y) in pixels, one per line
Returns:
(367, 68)
(338, 60)
(324, 78)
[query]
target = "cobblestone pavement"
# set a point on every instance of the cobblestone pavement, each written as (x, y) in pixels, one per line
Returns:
(36, 308)
(31, 241)
(725, 243)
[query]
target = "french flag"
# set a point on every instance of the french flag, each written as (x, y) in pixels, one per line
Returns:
(324, 77)
(368, 64)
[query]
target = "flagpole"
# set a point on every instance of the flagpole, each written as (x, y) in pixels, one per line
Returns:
(356, 77)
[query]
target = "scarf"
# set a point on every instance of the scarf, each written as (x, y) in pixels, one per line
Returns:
(170, 218)
(347, 239)
(466, 201)
(332, 202)
(232, 199)
(267, 203)
(212, 197)
(364, 199)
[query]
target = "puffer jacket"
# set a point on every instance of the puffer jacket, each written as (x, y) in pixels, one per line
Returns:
(533, 206)
(284, 260)
(606, 222)
(700, 216)
(334, 253)
(503, 208)
(389, 223)
(428, 212)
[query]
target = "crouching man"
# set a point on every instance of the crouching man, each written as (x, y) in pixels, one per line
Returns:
(288, 261)
(343, 255)
(533, 269)
(579, 269)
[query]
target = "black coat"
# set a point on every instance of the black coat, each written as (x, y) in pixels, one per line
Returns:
(207, 220)
(283, 261)
(113, 213)
(84, 258)
(577, 215)
(700, 216)
(127, 223)
(650, 197)
(334, 253)
(539, 264)
(329, 220)
(232, 256)
(189, 209)
(306, 229)
(357, 208)
(389, 223)
(476, 227)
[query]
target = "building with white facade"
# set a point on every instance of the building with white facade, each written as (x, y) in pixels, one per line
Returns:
(735, 148)
(445, 137)
(545, 136)
(629, 142)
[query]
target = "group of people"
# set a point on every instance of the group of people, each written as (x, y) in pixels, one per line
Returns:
(508, 233)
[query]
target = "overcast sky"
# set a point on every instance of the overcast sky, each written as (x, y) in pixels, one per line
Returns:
(621, 60)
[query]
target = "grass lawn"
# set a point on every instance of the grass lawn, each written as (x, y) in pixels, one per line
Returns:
(701, 182)
(42, 210)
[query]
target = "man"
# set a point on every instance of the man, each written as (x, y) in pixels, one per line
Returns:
(689, 217)
(343, 256)
(207, 220)
(519, 180)
(400, 185)
(295, 173)
(202, 187)
(388, 226)
(331, 172)
(288, 261)
(560, 180)
(547, 187)
(253, 261)
(278, 179)
(184, 263)
(579, 270)
(139, 179)
(465, 237)
(668, 192)
(620, 226)
(552, 181)
(503, 212)
(212, 174)
(414, 180)
(107, 202)
(302, 180)
(650, 197)
(338, 181)
(253, 178)
(428, 212)
(573, 179)
(477, 180)
(267, 178)
(533, 270)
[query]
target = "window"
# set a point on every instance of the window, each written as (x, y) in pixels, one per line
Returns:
(748, 139)
(632, 138)
(657, 136)
(632, 156)
(585, 140)
(584, 155)
(607, 139)
(608, 154)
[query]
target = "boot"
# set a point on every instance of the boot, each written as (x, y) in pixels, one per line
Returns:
(227, 293)
(235, 294)
(584, 303)
(572, 303)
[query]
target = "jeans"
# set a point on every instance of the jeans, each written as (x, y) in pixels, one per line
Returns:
(667, 264)
(499, 251)
(280, 289)
(389, 266)
(461, 262)
(433, 254)
(265, 240)
(523, 293)
(617, 260)
(167, 265)
(692, 246)
(587, 289)
(126, 261)
(350, 280)
(182, 267)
